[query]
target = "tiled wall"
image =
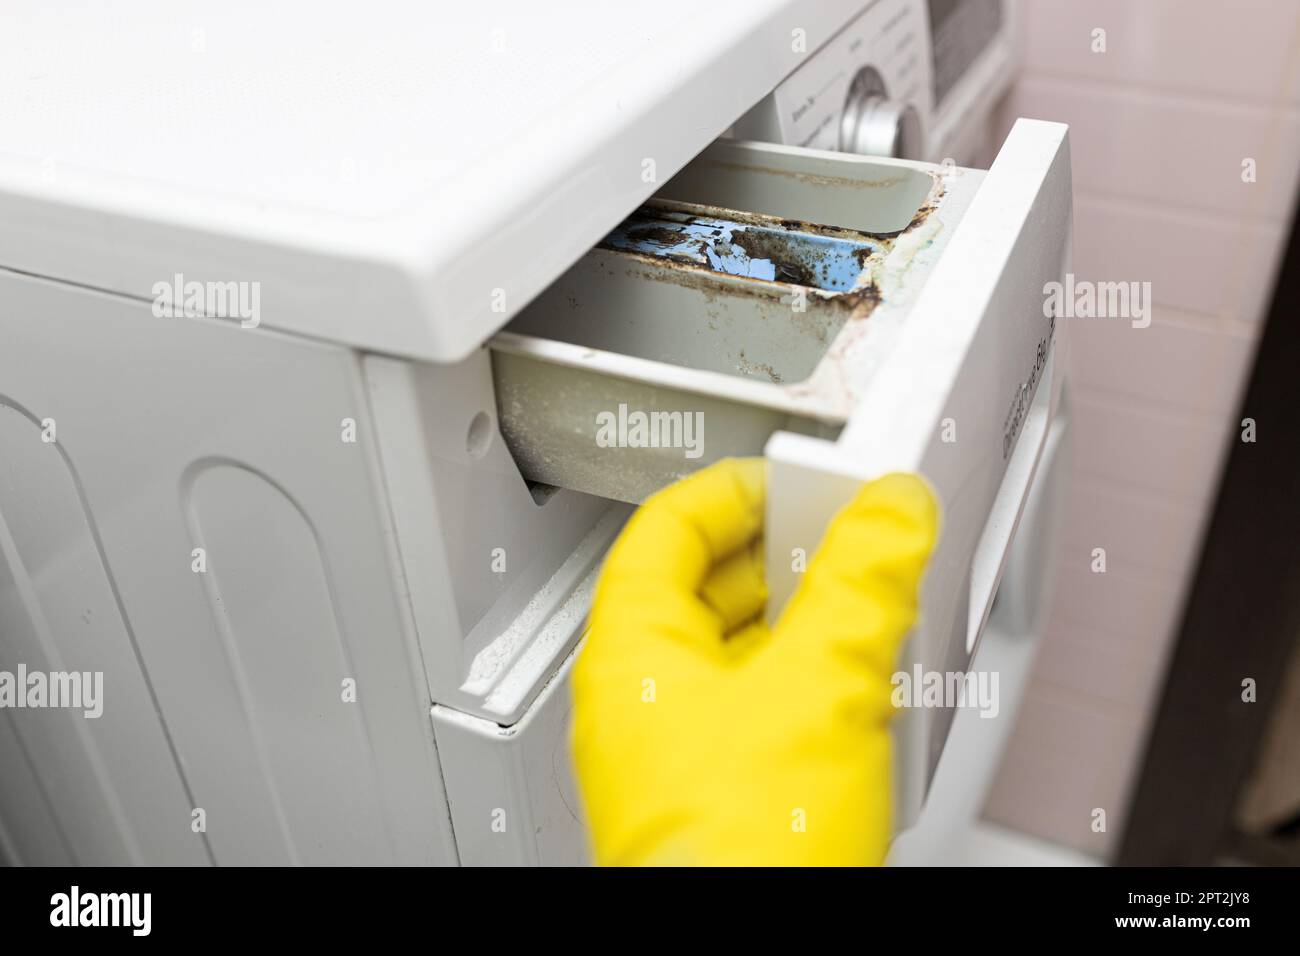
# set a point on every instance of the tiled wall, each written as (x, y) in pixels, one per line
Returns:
(1159, 126)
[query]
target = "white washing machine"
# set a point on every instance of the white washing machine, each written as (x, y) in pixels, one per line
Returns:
(915, 79)
(304, 354)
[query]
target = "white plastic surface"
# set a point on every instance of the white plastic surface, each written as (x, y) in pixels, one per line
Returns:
(512, 792)
(225, 670)
(941, 835)
(955, 403)
(499, 583)
(400, 175)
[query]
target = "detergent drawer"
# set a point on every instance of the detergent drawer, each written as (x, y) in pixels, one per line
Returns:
(843, 316)
(751, 295)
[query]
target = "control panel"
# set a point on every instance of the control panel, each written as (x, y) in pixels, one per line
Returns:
(868, 90)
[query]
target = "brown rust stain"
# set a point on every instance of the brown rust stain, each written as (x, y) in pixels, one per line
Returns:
(659, 235)
(929, 206)
(857, 303)
(815, 179)
(694, 212)
(766, 245)
(829, 313)
(762, 368)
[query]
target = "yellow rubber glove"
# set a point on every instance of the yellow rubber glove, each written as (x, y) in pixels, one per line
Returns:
(700, 735)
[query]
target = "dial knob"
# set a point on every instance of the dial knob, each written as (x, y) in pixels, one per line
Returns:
(874, 125)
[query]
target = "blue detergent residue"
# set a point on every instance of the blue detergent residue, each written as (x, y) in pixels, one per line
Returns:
(774, 253)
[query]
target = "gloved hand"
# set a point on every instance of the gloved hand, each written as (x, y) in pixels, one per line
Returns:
(700, 735)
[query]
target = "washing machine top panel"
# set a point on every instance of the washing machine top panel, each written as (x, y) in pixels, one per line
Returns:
(399, 176)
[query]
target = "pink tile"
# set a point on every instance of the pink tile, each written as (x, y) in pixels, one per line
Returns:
(1130, 442)
(1194, 262)
(1142, 531)
(1186, 361)
(1239, 49)
(1159, 126)
(1115, 132)
(1120, 608)
(1118, 677)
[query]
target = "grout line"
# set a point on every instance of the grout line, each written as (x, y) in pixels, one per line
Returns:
(1108, 396)
(1271, 151)
(1129, 647)
(1211, 220)
(1138, 494)
(1161, 410)
(1140, 91)
(1206, 97)
(1141, 577)
(1129, 713)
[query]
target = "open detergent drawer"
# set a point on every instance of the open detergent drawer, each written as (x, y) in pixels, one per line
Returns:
(749, 296)
(844, 316)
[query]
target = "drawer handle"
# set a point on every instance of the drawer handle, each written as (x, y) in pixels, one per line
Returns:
(995, 540)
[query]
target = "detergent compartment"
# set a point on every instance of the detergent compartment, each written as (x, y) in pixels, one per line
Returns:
(741, 299)
(713, 289)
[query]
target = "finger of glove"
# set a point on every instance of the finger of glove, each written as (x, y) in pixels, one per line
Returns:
(676, 538)
(858, 599)
(736, 588)
(651, 582)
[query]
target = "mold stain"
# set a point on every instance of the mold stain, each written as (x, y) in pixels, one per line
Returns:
(813, 179)
(809, 272)
(835, 319)
(744, 365)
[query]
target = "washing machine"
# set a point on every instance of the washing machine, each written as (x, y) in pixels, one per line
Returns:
(306, 342)
(907, 78)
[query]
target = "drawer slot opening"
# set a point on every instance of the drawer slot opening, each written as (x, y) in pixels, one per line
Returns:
(713, 289)
(727, 302)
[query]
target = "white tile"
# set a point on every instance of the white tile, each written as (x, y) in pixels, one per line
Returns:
(1142, 531)
(1119, 608)
(1195, 262)
(1117, 675)
(1191, 362)
(1159, 126)
(1177, 149)
(1131, 442)
(1237, 49)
